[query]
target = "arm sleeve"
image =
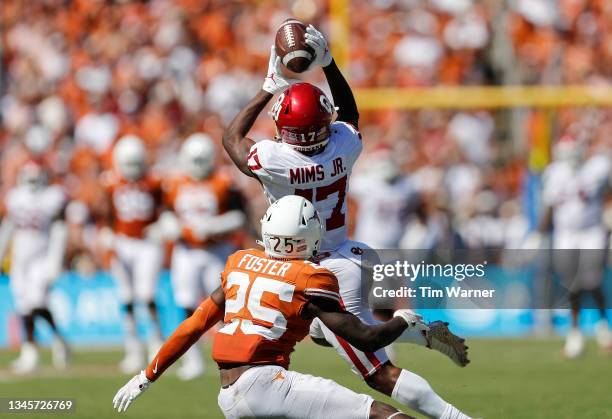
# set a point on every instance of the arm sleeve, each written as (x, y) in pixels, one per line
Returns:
(342, 94)
(188, 333)
(322, 285)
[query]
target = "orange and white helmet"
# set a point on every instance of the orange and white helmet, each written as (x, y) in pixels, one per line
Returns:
(291, 228)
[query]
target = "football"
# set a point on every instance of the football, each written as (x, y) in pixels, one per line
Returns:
(291, 46)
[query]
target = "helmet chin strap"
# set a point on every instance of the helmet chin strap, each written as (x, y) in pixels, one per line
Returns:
(261, 243)
(309, 149)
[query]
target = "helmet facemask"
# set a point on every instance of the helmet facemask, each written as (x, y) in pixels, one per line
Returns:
(291, 229)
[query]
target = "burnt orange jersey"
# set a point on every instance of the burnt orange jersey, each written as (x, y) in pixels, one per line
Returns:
(134, 204)
(195, 201)
(264, 299)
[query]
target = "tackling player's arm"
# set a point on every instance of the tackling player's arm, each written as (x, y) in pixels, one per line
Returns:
(189, 331)
(367, 338)
(340, 89)
(208, 313)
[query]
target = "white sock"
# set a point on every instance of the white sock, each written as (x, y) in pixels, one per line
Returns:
(415, 392)
(452, 412)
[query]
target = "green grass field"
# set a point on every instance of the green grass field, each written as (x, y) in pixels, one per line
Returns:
(506, 379)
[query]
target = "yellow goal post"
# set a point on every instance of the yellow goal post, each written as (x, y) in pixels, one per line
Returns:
(456, 97)
(545, 98)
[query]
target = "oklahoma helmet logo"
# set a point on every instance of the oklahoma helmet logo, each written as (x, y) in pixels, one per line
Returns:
(329, 108)
(276, 108)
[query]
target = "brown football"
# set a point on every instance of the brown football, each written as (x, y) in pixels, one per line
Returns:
(291, 46)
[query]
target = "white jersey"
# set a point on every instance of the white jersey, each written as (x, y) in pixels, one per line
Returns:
(383, 209)
(322, 178)
(33, 212)
(576, 194)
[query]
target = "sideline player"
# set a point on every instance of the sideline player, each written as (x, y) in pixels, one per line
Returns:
(313, 157)
(137, 259)
(206, 208)
(267, 302)
(574, 191)
(35, 222)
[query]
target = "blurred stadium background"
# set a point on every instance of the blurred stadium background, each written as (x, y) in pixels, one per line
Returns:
(469, 96)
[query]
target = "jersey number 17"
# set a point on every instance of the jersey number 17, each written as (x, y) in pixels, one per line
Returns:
(337, 217)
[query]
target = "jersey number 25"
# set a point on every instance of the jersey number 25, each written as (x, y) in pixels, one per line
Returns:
(251, 299)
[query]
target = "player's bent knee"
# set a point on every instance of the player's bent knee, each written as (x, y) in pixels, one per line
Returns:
(384, 379)
(381, 410)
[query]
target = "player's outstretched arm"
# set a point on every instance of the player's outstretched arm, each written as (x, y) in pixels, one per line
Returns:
(209, 313)
(235, 139)
(340, 89)
(367, 338)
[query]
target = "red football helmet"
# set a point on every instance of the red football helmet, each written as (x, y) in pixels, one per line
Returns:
(302, 114)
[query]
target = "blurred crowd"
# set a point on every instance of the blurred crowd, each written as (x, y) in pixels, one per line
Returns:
(78, 75)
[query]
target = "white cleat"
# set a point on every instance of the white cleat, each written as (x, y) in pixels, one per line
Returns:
(441, 339)
(27, 361)
(60, 354)
(603, 335)
(574, 344)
